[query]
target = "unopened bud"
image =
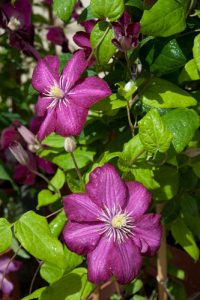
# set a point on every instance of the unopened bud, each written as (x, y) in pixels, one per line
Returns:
(20, 154)
(70, 144)
(27, 135)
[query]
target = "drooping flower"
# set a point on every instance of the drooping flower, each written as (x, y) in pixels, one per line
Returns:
(16, 20)
(57, 36)
(126, 33)
(110, 225)
(65, 99)
(82, 38)
(6, 285)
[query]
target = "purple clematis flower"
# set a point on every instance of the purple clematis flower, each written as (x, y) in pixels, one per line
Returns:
(82, 38)
(56, 36)
(16, 20)
(109, 224)
(126, 33)
(65, 99)
(6, 285)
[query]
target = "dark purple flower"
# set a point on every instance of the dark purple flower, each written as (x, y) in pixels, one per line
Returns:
(77, 8)
(82, 38)
(6, 285)
(56, 36)
(65, 99)
(16, 20)
(109, 224)
(126, 33)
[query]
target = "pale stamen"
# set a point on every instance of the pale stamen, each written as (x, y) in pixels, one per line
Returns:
(14, 24)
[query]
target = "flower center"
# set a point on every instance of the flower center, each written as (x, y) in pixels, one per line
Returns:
(56, 92)
(119, 221)
(14, 24)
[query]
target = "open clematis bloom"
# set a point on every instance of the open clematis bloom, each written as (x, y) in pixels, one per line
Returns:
(110, 225)
(65, 99)
(57, 36)
(126, 33)
(6, 285)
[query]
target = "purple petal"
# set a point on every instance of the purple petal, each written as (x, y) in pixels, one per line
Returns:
(46, 165)
(8, 136)
(46, 73)
(48, 125)
(42, 104)
(56, 35)
(126, 261)
(35, 124)
(126, 18)
(89, 25)
(106, 188)
(139, 199)
(82, 238)
(74, 69)
(119, 30)
(7, 286)
(99, 261)
(79, 207)
(25, 8)
(89, 91)
(70, 119)
(23, 175)
(147, 233)
(82, 39)
(133, 29)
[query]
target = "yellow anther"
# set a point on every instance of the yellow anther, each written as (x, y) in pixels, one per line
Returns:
(14, 24)
(119, 221)
(56, 92)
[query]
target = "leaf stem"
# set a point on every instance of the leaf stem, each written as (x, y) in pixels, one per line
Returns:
(54, 213)
(128, 64)
(129, 118)
(34, 277)
(77, 169)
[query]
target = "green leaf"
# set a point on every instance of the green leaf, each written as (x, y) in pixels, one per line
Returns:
(182, 123)
(153, 133)
(54, 140)
(72, 260)
(190, 72)
(161, 93)
(58, 180)
(3, 173)
(82, 156)
(165, 18)
(33, 233)
(35, 295)
(134, 287)
(64, 9)
(145, 175)
(5, 235)
(107, 9)
(168, 179)
(101, 42)
(73, 286)
(130, 152)
(196, 51)
(46, 197)
(185, 238)
(170, 57)
(20, 252)
(57, 224)
(74, 183)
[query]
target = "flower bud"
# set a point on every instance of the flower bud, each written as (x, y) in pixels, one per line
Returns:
(70, 144)
(20, 154)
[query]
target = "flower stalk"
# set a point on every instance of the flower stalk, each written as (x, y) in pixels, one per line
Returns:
(77, 168)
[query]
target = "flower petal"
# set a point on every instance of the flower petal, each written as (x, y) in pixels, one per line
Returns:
(48, 125)
(89, 91)
(99, 261)
(46, 73)
(147, 233)
(82, 237)
(42, 104)
(88, 25)
(74, 69)
(7, 286)
(23, 175)
(82, 39)
(139, 199)
(70, 119)
(126, 261)
(106, 188)
(79, 207)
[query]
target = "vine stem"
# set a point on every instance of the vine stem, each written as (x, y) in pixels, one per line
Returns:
(129, 118)
(7, 266)
(34, 277)
(162, 262)
(128, 64)
(76, 168)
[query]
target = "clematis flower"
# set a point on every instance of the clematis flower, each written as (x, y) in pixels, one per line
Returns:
(56, 36)
(6, 285)
(16, 20)
(110, 225)
(82, 38)
(65, 99)
(126, 33)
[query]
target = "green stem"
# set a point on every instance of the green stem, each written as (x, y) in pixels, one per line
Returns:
(34, 277)
(128, 64)
(77, 169)
(129, 118)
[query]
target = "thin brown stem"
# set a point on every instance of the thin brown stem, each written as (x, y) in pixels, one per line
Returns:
(117, 288)
(162, 263)
(129, 118)
(128, 64)
(77, 168)
(140, 90)
(33, 279)
(54, 213)
(137, 156)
